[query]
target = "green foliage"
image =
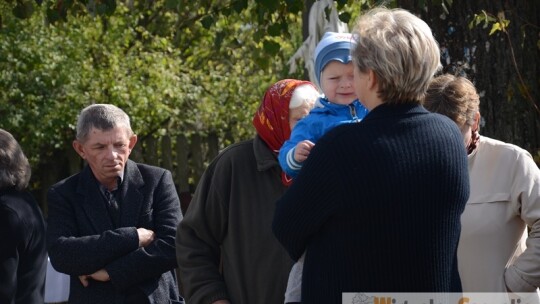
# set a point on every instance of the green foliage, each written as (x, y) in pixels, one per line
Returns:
(345, 17)
(499, 23)
(174, 66)
(23, 9)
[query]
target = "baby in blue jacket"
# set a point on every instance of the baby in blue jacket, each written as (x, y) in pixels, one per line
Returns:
(338, 105)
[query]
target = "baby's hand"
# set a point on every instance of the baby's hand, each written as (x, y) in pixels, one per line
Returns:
(302, 150)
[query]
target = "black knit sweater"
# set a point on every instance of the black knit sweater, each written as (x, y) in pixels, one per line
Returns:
(377, 205)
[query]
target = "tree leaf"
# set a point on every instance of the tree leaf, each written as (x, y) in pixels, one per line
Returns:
(23, 9)
(53, 16)
(271, 47)
(219, 40)
(207, 21)
(294, 6)
(171, 4)
(345, 17)
(275, 29)
(262, 62)
(268, 5)
(107, 7)
(239, 5)
(495, 27)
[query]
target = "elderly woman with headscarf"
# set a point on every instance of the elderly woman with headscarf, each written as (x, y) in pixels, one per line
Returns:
(225, 248)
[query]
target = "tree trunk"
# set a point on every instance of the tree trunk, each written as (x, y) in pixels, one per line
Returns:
(509, 103)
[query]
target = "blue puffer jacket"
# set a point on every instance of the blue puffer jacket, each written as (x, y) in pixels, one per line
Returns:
(323, 117)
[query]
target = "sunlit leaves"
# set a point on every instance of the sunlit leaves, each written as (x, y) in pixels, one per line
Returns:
(484, 18)
(50, 73)
(498, 23)
(177, 67)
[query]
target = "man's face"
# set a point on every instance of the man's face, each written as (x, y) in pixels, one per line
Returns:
(107, 153)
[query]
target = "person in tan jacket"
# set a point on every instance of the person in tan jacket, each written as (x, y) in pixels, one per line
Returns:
(496, 253)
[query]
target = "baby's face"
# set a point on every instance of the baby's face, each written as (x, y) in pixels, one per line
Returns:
(337, 82)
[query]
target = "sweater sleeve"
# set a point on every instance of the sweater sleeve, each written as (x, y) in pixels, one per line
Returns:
(199, 236)
(524, 274)
(306, 205)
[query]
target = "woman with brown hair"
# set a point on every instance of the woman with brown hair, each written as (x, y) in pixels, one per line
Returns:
(23, 255)
(495, 253)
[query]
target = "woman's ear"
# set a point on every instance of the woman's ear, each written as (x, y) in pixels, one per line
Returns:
(372, 79)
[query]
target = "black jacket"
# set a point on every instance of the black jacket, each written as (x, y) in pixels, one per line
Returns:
(225, 245)
(378, 205)
(81, 238)
(23, 256)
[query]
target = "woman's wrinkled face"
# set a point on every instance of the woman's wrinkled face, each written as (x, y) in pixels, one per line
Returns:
(302, 101)
(467, 129)
(466, 132)
(298, 113)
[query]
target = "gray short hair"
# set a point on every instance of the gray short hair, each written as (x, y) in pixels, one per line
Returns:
(15, 169)
(102, 117)
(400, 49)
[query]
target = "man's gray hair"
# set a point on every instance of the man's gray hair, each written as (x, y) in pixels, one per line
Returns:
(103, 117)
(15, 169)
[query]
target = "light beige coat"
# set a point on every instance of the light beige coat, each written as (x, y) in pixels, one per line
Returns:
(494, 252)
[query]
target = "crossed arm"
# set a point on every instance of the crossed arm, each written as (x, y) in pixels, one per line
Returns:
(125, 255)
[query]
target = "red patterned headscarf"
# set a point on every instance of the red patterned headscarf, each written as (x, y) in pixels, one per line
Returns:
(272, 118)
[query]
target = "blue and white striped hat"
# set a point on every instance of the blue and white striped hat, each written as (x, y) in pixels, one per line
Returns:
(333, 46)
